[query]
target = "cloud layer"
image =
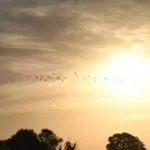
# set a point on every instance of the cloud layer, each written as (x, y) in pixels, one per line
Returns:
(39, 37)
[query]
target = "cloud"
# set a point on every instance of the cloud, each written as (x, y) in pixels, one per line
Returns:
(29, 38)
(42, 38)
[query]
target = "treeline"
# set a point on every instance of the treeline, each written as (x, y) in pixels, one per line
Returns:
(28, 139)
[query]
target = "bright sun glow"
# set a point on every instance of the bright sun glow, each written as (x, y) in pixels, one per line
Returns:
(124, 73)
(127, 74)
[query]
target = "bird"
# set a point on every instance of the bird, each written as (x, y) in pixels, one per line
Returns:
(105, 78)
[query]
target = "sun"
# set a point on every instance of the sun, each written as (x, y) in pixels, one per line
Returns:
(126, 74)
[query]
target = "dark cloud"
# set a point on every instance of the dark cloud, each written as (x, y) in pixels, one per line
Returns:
(7, 51)
(37, 30)
(47, 29)
(19, 20)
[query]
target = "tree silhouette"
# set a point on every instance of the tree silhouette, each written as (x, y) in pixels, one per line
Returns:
(70, 146)
(49, 139)
(27, 139)
(3, 145)
(24, 139)
(124, 141)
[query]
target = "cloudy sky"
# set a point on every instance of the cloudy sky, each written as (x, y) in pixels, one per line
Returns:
(42, 37)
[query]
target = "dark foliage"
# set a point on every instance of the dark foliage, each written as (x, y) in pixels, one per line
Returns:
(27, 139)
(49, 139)
(70, 146)
(24, 139)
(124, 141)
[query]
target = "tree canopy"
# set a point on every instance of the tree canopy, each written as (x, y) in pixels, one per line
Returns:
(27, 139)
(49, 139)
(124, 141)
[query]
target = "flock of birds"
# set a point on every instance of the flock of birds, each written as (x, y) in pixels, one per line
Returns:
(53, 77)
(119, 81)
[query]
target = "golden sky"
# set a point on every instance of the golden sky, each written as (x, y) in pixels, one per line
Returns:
(94, 39)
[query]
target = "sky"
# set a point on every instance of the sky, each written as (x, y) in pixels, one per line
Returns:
(42, 37)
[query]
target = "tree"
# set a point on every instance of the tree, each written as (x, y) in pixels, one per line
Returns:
(124, 141)
(70, 146)
(3, 145)
(24, 139)
(49, 139)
